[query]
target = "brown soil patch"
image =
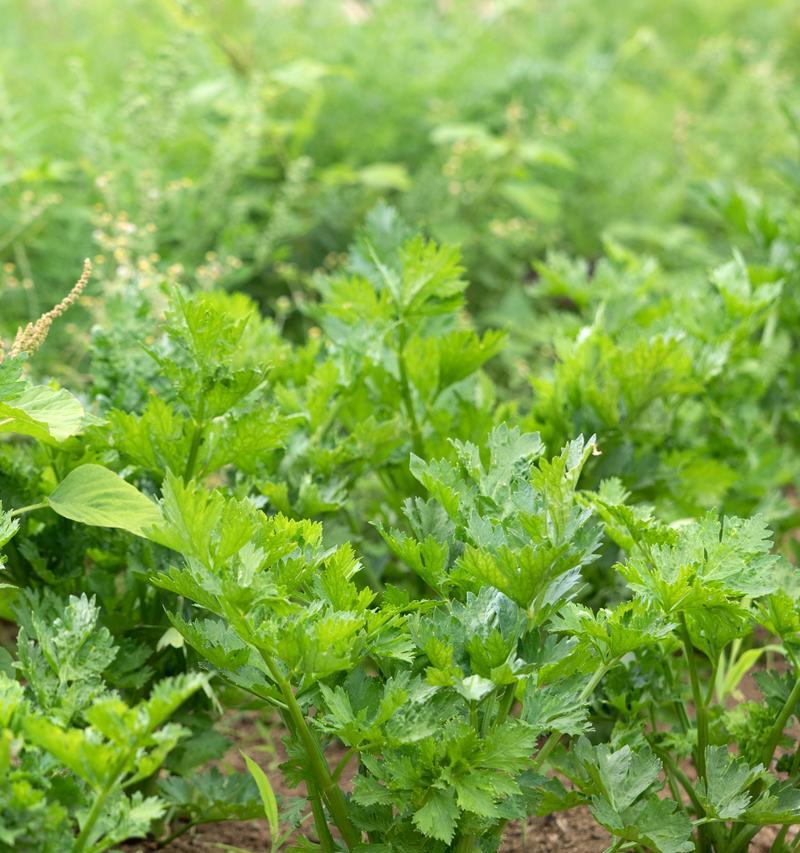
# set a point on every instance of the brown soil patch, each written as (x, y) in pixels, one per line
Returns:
(572, 832)
(575, 831)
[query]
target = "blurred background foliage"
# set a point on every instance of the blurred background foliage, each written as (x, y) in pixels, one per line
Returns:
(241, 142)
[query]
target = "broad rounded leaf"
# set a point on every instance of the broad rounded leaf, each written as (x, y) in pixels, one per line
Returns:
(94, 495)
(47, 415)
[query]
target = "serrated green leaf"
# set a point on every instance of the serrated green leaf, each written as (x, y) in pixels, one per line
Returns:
(438, 817)
(724, 792)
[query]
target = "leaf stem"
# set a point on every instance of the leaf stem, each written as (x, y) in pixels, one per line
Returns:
(506, 704)
(323, 832)
(197, 440)
(488, 713)
(464, 844)
(701, 718)
(322, 779)
(97, 806)
(680, 710)
(194, 449)
(341, 766)
(325, 783)
(699, 700)
(673, 771)
(780, 722)
(742, 839)
(711, 685)
(780, 838)
(672, 768)
(30, 508)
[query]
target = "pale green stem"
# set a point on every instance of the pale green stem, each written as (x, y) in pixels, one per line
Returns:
(327, 787)
(320, 821)
(30, 508)
(194, 449)
(777, 727)
(779, 843)
(97, 806)
(342, 765)
(699, 700)
(322, 776)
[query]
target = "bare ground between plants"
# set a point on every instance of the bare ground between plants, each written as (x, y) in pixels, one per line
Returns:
(568, 832)
(575, 832)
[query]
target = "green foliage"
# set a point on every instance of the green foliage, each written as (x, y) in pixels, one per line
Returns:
(358, 533)
(623, 785)
(71, 746)
(298, 633)
(47, 414)
(640, 364)
(491, 512)
(94, 495)
(265, 133)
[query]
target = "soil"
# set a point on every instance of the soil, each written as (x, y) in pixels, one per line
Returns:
(8, 634)
(576, 832)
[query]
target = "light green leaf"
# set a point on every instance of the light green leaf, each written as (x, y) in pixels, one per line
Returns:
(725, 792)
(267, 794)
(728, 680)
(94, 495)
(385, 176)
(8, 527)
(438, 817)
(48, 415)
(474, 688)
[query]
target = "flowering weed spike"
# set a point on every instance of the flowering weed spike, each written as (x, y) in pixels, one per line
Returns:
(30, 339)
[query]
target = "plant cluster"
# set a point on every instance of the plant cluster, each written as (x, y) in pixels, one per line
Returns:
(444, 423)
(264, 132)
(461, 613)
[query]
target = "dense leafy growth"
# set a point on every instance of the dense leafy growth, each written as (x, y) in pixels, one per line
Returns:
(490, 516)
